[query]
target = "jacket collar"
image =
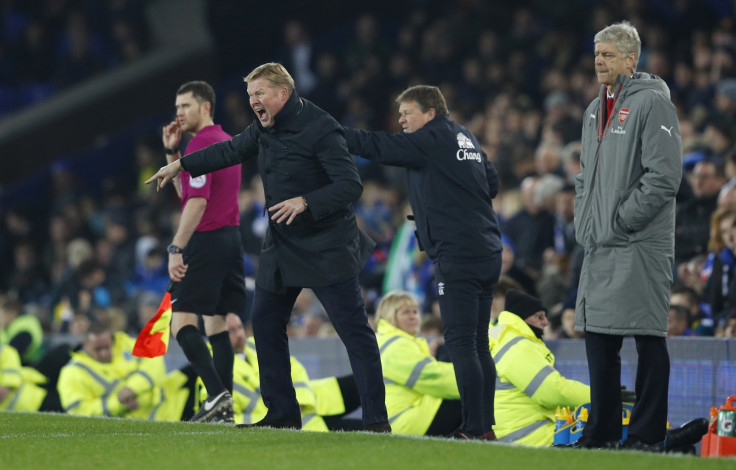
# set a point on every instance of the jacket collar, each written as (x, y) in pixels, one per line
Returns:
(287, 115)
(386, 328)
(516, 323)
(438, 121)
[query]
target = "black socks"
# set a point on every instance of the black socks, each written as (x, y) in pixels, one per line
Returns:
(223, 356)
(195, 349)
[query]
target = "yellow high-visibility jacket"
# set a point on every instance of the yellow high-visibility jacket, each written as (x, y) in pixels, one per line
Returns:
(90, 388)
(24, 382)
(26, 324)
(528, 388)
(416, 383)
(330, 401)
(248, 404)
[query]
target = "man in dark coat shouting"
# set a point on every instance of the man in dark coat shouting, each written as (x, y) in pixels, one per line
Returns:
(310, 183)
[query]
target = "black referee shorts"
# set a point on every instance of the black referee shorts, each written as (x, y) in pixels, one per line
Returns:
(215, 279)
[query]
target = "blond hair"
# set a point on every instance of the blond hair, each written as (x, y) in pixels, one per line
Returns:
(392, 302)
(275, 73)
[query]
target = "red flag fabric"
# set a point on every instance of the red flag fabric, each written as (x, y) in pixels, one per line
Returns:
(153, 340)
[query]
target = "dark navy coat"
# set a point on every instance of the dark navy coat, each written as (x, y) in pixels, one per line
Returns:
(303, 154)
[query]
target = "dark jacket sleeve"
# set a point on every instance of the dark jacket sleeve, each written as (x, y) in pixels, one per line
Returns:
(403, 150)
(492, 177)
(223, 154)
(345, 186)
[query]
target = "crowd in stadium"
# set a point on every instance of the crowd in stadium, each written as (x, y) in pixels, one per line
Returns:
(520, 83)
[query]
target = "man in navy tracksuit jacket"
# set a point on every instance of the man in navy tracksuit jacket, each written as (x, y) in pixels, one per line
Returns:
(451, 185)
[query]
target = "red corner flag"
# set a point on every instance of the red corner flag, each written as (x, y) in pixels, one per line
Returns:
(153, 340)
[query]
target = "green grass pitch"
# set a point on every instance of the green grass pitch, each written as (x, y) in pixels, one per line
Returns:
(55, 441)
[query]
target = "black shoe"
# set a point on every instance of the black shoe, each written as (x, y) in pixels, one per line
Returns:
(633, 443)
(274, 423)
(379, 428)
(583, 443)
(686, 435)
(214, 409)
(228, 417)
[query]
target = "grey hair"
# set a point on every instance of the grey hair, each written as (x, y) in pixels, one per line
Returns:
(547, 186)
(625, 36)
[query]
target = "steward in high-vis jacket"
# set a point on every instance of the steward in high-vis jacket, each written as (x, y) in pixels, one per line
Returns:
(529, 389)
(451, 184)
(417, 385)
(22, 331)
(248, 406)
(247, 401)
(105, 379)
(20, 387)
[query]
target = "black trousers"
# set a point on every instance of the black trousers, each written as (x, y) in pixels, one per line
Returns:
(447, 420)
(649, 418)
(344, 305)
(465, 292)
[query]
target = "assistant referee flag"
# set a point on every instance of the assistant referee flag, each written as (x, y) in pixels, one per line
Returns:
(153, 340)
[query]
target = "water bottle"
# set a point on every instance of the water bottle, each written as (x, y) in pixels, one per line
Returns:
(727, 418)
(562, 426)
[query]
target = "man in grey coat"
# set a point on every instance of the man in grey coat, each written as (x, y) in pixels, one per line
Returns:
(631, 165)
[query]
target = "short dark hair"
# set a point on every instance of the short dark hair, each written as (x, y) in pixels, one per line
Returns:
(427, 97)
(681, 313)
(98, 327)
(201, 91)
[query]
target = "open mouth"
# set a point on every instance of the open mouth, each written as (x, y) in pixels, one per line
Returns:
(261, 113)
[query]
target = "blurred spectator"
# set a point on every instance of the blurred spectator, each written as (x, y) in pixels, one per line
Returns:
(692, 220)
(510, 269)
(719, 295)
(725, 102)
(253, 222)
(547, 160)
(499, 295)
(297, 55)
(327, 90)
(567, 324)
(29, 280)
(719, 137)
(531, 229)
(679, 321)
(151, 275)
(700, 323)
(571, 160)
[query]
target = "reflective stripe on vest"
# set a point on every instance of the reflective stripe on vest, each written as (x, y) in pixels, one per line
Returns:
(387, 343)
(109, 386)
(417, 372)
(499, 355)
(253, 396)
(523, 432)
(503, 385)
(538, 379)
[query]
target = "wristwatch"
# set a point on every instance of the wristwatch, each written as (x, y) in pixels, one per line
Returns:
(173, 249)
(170, 151)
